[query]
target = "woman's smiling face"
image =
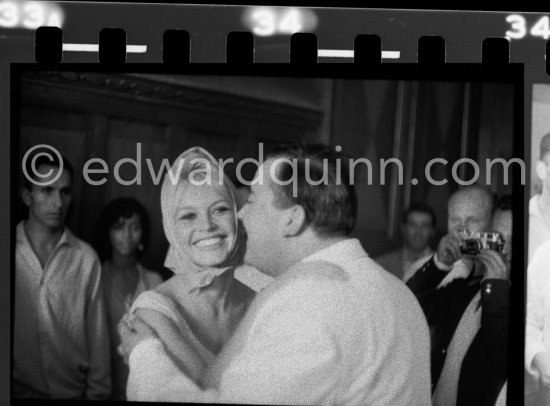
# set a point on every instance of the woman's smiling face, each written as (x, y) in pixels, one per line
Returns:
(205, 224)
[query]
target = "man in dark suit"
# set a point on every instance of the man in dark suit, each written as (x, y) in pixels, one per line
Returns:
(465, 299)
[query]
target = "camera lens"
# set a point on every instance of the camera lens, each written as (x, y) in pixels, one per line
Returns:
(471, 246)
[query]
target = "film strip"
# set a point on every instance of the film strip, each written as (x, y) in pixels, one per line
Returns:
(176, 47)
(273, 42)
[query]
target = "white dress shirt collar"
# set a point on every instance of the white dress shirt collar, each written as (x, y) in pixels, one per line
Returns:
(21, 236)
(349, 249)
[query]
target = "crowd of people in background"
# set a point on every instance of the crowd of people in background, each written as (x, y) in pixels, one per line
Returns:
(466, 302)
(271, 300)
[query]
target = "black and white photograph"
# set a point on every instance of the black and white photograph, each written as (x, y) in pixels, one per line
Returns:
(180, 228)
(537, 329)
(263, 239)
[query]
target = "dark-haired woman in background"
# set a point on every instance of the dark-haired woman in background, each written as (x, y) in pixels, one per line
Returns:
(123, 234)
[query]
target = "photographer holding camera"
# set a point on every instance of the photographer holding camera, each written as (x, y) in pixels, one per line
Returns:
(464, 292)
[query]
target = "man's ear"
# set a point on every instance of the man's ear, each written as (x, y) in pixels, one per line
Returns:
(541, 170)
(293, 221)
(26, 196)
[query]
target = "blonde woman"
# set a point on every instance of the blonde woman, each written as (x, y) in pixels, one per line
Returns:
(196, 311)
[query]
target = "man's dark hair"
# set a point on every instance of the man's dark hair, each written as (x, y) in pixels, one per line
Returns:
(504, 203)
(330, 207)
(121, 208)
(44, 160)
(419, 207)
(544, 147)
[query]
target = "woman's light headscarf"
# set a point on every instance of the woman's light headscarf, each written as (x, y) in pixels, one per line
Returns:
(198, 166)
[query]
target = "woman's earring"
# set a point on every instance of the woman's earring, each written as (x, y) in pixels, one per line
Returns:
(140, 247)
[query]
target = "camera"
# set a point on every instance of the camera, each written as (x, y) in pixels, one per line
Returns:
(473, 243)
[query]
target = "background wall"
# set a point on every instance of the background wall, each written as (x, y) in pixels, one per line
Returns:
(87, 115)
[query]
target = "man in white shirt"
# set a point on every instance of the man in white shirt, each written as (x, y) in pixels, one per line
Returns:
(60, 340)
(332, 328)
(537, 333)
(539, 205)
(539, 233)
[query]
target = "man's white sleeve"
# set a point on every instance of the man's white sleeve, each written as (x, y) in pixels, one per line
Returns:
(535, 309)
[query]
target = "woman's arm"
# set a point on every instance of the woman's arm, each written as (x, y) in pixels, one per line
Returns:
(175, 344)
